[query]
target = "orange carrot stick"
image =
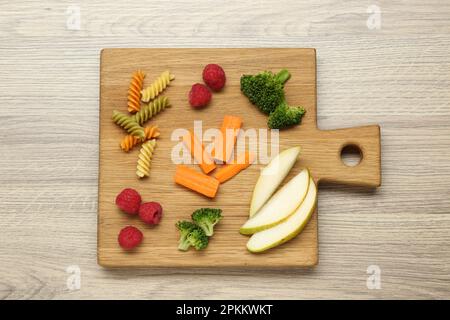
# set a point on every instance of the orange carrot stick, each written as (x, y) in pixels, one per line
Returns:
(196, 181)
(243, 161)
(223, 147)
(198, 152)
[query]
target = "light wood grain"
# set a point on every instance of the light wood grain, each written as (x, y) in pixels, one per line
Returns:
(397, 76)
(321, 154)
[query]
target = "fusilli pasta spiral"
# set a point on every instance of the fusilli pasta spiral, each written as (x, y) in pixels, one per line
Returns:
(129, 141)
(153, 90)
(129, 124)
(134, 91)
(149, 110)
(145, 158)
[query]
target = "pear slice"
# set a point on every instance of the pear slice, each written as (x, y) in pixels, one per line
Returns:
(288, 229)
(283, 203)
(272, 176)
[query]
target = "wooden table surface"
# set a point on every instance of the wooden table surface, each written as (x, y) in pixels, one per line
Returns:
(397, 75)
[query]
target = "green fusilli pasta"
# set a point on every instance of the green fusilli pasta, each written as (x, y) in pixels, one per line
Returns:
(145, 158)
(129, 124)
(149, 110)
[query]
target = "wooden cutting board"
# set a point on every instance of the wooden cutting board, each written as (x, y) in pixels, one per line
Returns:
(320, 152)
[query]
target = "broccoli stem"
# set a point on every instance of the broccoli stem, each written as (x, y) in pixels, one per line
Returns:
(183, 245)
(283, 76)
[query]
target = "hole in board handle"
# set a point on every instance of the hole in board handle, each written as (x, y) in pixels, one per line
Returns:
(351, 155)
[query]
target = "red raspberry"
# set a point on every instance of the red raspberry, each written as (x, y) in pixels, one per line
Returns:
(129, 201)
(199, 96)
(214, 76)
(130, 237)
(150, 212)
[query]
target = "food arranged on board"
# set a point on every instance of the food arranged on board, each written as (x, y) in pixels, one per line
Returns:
(277, 214)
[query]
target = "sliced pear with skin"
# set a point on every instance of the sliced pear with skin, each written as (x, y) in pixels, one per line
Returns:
(283, 203)
(288, 229)
(271, 177)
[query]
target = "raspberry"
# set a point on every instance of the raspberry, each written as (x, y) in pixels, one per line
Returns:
(199, 96)
(129, 201)
(214, 76)
(150, 212)
(130, 237)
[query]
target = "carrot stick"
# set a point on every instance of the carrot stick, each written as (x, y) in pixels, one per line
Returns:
(224, 145)
(196, 181)
(198, 152)
(243, 161)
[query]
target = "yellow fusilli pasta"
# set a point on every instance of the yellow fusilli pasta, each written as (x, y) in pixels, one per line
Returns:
(145, 158)
(134, 91)
(153, 90)
(129, 124)
(149, 110)
(129, 141)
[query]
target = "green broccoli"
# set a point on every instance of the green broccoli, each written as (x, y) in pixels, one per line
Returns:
(185, 228)
(197, 238)
(191, 235)
(265, 90)
(207, 218)
(285, 116)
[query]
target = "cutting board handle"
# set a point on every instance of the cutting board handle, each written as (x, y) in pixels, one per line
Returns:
(367, 172)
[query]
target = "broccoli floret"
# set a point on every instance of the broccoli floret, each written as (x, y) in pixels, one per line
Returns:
(191, 235)
(265, 90)
(285, 116)
(185, 228)
(207, 218)
(197, 238)
(196, 233)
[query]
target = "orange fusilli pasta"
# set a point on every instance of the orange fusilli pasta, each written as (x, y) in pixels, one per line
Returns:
(134, 91)
(129, 141)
